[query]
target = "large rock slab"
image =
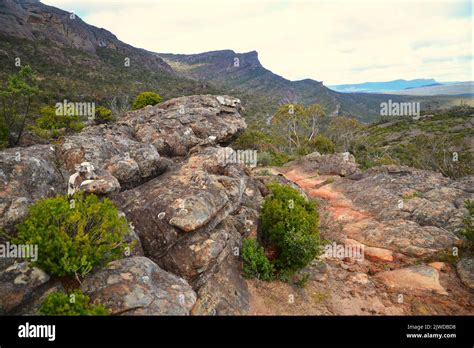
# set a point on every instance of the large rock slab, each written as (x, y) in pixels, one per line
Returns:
(26, 175)
(465, 269)
(225, 293)
(18, 284)
(114, 149)
(342, 164)
(195, 256)
(137, 286)
(193, 198)
(399, 192)
(177, 125)
(403, 236)
(418, 279)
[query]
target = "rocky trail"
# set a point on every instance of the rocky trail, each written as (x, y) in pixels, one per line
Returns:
(405, 220)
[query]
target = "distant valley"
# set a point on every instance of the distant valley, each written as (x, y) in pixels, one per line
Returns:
(418, 87)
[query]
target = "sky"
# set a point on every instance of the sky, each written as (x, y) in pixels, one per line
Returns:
(334, 41)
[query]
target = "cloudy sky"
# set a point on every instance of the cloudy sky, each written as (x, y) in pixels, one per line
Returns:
(334, 41)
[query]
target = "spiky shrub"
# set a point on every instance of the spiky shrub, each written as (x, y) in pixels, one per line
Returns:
(52, 125)
(102, 115)
(146, 98)
(73, 236)
(75, 303)
(323, 144)
(291, 224)
(468, 225)
(255, 263)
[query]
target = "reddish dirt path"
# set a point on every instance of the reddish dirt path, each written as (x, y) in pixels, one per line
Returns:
(350, 287)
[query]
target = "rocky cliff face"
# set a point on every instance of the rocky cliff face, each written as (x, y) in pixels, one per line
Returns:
(163, 166)
(32, 20)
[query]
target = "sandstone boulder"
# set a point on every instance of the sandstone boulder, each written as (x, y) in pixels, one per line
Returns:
(112, 148)
(196, 255)
(137, 286)
(225, 292)
(193, 198)
(342, 164)
(412, 279)
(465, 269)
(18, 284)
(26, 175)
(177, 125)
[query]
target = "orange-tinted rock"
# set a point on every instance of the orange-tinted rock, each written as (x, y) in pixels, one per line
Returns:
(440, 266)
(412, 279)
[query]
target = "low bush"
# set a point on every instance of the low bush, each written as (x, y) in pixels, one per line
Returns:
(75, 303)
(323, 144)
(144, 99)
(468, 231)
(255, 262)
(73, 236)
(291, 224)
(51, 125)
(102, 115)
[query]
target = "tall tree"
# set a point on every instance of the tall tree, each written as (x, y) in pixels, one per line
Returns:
(16, 98)
(342, 131)
(300, 124)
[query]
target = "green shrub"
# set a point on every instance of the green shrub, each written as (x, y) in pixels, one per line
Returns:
(469, 226)
(73, 236)
(146, 98)
(51, 125)
(254, 139)
(102, 115)
(323, 144)
(4, 136)
(256, 264)
(290, 222)
(272, 158)
(264, 159)
(47, 133)
(75, 303)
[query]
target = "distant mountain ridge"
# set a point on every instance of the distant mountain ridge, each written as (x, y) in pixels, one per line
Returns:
(34, 21)
(244, 73)
(384, 86)
(238, 71)
(445, 89)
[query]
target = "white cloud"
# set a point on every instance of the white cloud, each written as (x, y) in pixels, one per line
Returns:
(333, 41)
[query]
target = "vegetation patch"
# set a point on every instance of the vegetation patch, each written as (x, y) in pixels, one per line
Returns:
(74, 236)
(255, 262)
(72, 304)
(146, 98)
